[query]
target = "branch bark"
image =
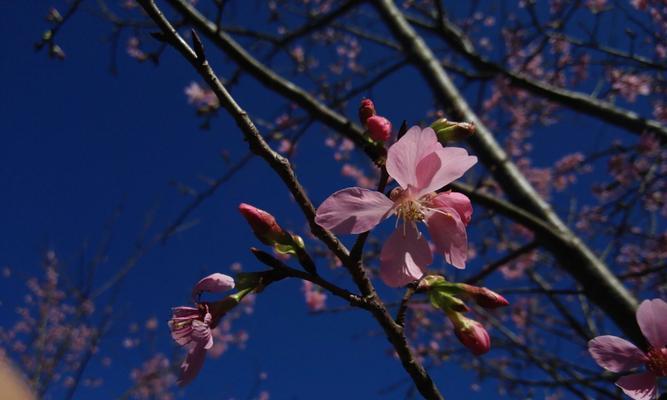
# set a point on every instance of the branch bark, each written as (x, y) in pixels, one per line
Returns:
(394, 332)
(600, 284)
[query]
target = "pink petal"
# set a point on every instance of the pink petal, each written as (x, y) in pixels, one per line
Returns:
(458, 201)
(652, 319)
(638, 386)
(192, 365)
(442, 167)
(213, 283)
(449, 235)
(201, 334)
(404, 155)
(615, 354)
(353, 210)
(404, 257)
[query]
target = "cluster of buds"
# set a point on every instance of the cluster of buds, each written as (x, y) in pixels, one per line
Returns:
(449, 297)
(378, 127)
(450, 131)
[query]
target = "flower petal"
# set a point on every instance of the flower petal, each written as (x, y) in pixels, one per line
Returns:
(201, 334)
(652, 319)
(213, 283)
(638, 386)
(404, 257)
(404, 155)
(192, 365)
(458, 201)
(442, 167)
(615, 354)
(353, 210)
(449, 235)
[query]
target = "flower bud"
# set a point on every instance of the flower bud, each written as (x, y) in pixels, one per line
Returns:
(449, 131)
(484, 297)
(471, 334)
(213, 283)
(379, 128)
(264, 225)
(366, 110)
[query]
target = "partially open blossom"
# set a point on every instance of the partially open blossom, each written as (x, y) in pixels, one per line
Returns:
(617, 355)
(379, 128)
(471, 334)
(420, 165)
(264, 225)
(191, 326)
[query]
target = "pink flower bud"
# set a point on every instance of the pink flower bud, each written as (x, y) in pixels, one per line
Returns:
(213, 283)
(366, 110)
(379, 128)
(484, 297)
(472, 335)
(264, 225)
(487, 298)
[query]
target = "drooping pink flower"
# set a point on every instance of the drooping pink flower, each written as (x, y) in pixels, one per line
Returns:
(420, 165)
(617, 355)
(191, 326)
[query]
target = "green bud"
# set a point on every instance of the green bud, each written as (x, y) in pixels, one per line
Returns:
(450, 131)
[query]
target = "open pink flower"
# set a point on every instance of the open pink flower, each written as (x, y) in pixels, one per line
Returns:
(420, 165)
(191, 326)
(617, 355)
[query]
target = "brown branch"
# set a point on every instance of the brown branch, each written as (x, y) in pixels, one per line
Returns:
(282, 167)
(579, 102)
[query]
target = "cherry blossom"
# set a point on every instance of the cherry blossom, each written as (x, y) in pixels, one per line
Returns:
(191, 326)
(617, 355)
(420, 165)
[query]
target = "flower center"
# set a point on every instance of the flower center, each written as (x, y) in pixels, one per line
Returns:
(410, 211)
(657, 361)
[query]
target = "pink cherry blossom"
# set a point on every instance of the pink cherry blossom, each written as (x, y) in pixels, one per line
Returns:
(191, 326)
(617, 355)
(420, 165)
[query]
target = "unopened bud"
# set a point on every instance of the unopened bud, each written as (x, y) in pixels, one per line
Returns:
(471, 334)
(450, 131)
(214, 283)
(366, 110)
(484, 297)
(379, 128)
(264, 225)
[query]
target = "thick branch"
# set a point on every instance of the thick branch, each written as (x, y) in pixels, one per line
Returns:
(575, 257)
(282, 167)
(579, 102)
